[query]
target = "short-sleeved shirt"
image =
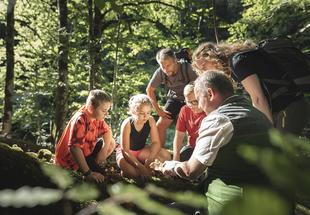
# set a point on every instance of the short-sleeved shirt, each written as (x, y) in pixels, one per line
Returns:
(257, 62)
(216, 130)
(189, 122)
(176, 83)
(82, 132)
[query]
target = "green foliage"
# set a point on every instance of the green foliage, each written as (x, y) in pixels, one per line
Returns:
(121, 193)
(59, 176)
(264, 19)
(288, 167)
(82, 192)
(21, 197)
(111, 208)
(257, 201)
(180, 197)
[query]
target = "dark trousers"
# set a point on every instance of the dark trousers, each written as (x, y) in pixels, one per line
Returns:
(185, 153)
(90, 159)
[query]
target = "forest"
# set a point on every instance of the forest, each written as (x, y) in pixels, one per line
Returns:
(52, 52)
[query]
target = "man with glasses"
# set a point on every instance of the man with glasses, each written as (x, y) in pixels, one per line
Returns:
(189, 121)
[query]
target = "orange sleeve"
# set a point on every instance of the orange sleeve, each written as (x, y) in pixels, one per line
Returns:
(78, 133)
(103, 128)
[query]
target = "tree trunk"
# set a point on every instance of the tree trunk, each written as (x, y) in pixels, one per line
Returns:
(94, 45)
(97, 47)
(62, 86)
(9, 78)
(214, 22)
(91, 42)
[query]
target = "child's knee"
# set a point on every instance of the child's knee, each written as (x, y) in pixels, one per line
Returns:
(165, 155)
(130, 173)
(112, 144)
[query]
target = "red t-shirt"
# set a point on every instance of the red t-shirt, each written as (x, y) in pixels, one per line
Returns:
(81, 132)
(189, 122)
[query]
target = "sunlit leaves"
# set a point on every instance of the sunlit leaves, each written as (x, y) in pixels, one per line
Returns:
(110, 208)
(58, 175)
(29, 197)
(287, 165)
(82, 192)
(128, 193)
(180, 197)
(257, 202)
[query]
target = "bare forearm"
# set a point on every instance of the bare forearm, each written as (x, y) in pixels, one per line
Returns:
(131, 159)
(177, 143)
(79, 158)
(155, 148)
(263, 106)
(152, 96)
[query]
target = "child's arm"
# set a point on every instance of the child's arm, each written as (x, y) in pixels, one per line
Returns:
(79, 157)
(107, 141)
(155, 144)
(177, 143)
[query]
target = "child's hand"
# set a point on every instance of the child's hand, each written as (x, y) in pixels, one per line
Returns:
(148, 162)
(145, 173)
(95, 176)
(157, 165)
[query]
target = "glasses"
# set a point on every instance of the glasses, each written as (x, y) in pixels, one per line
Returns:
(193, 102)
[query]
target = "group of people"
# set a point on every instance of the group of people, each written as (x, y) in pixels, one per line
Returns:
(202, 100)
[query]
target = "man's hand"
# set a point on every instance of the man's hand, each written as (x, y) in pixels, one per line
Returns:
(164, 114)
(168, 168)
(95, 176)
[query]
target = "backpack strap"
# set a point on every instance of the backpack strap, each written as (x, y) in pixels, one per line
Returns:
(184, 69)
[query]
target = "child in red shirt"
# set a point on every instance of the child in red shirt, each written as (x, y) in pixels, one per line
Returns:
(87, 140)
(134, 155)
(189, 121)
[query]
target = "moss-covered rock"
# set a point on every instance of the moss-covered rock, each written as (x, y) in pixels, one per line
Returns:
(17, 148)
(45, 155)
(32, 154)
(18, 169)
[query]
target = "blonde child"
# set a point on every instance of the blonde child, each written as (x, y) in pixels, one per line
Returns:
(134, 156)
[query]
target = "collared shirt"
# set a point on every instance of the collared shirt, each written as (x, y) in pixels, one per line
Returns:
(82, 132)
(216, 130)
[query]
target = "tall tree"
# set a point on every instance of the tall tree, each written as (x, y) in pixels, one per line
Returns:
(62, 86)
(9, 79)
(94, 45)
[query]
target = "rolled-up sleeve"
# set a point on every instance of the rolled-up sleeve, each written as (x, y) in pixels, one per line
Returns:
(215, 131)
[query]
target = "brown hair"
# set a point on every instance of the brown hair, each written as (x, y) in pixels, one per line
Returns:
(96, 97)
(165, 53)
(220, 54)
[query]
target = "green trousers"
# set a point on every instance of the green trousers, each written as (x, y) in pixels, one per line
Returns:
(219, 193)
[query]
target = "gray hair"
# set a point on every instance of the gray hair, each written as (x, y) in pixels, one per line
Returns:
(216, 80)
(136, 101)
